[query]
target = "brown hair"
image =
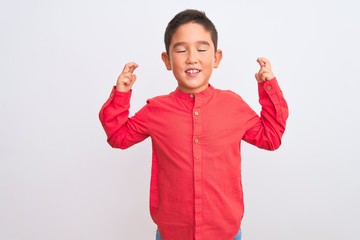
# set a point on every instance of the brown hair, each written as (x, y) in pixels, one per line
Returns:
(186, 16)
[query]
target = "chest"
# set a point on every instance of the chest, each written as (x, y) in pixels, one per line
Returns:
(210, 123)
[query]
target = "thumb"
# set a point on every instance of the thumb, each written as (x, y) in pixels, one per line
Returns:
(257, 77)
(133, 79)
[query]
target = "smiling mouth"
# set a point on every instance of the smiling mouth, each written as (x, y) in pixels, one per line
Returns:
(192, 71)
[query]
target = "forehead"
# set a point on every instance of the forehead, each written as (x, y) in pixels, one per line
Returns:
(191, 33)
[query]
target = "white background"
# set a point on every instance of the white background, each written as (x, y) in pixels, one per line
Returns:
(59, 60)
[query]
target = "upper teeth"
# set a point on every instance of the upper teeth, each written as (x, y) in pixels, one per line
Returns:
(193, 71)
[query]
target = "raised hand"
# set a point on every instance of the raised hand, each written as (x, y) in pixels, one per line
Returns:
(127, 77)
(265, 72)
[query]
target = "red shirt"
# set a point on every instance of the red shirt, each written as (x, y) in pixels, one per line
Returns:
(196, 191)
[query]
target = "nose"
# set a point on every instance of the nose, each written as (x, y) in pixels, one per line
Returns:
(191, 57)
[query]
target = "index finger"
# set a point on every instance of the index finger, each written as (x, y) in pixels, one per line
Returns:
(261, 62)
(266, 62)
(130, 67)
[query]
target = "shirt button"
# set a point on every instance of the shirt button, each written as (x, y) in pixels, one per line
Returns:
(196, 140)
(192, 95)
(268, 88)
(196, 113)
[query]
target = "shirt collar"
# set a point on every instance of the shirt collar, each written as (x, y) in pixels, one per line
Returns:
(188, 96)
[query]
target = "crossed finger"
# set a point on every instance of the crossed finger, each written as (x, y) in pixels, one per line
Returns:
(130, 67)
(264, 63)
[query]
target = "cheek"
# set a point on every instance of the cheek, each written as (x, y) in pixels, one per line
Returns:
(176, 62)
(210, 63)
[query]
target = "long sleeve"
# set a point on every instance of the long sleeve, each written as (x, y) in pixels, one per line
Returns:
(266, 131)
(122, 131)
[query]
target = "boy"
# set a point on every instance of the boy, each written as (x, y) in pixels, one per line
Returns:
(196, 130)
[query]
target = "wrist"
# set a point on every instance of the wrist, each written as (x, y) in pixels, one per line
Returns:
(120, 88)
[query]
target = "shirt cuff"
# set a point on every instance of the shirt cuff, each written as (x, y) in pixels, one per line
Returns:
(269, 87)
(120, 98)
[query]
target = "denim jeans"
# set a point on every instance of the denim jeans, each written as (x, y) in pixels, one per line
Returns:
(237, 237)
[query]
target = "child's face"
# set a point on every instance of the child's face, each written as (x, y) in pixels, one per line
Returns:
(192, 57)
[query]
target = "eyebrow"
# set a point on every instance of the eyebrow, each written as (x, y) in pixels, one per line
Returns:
(183, 43)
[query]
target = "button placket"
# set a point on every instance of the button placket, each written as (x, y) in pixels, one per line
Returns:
(198, 201)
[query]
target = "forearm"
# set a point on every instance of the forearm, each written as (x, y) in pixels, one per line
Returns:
(122, 131)
(267, 130)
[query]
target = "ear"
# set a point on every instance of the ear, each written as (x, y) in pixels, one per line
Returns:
(166, 59)
(218, 57)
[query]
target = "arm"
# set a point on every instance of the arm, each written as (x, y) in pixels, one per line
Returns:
(266, 131)
(122, 131)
